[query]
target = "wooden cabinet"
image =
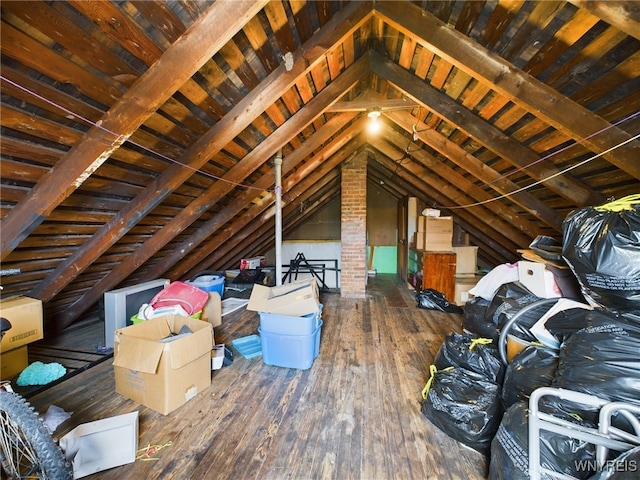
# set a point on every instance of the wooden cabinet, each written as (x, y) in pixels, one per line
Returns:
(436, 269)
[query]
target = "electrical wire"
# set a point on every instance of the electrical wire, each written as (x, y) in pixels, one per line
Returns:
(546, 157)
(557, 174)
(406, 153)
(125, 139)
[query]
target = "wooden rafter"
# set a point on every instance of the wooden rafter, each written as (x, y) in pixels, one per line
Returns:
(491, 137)
(624, 15)
(237, 174)
(546, 103)
(161, 81)
(212, 142)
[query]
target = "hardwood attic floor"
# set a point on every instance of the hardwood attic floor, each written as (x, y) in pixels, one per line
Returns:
(355, 414)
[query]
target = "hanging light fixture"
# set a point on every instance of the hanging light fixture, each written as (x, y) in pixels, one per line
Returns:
(374, 124)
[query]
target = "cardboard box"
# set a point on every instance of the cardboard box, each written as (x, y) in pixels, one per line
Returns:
(434, 243)
(438, 234)
(25, 315)
(96, 446)
(466, 260)
(251, 263)
(212, 311)
(13, 362)
(540, 281)
(463, 285)
(296, 298)
(158, 373)
(438, 225)
(439, 243)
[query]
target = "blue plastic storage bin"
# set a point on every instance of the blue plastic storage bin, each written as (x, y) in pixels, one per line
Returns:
(290, 351)
(289, 324)
(209, 283)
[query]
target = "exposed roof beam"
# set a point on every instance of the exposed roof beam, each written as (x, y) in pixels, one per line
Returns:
(363, 105)
(189, 252)
(624, 15)
(486, 134)
(475, 167)
(467, 192)
(212, 142)
(521, 88)
(155, 86)
(233, 176)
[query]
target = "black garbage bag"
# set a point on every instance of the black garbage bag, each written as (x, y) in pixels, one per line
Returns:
(510, 449)
(431, 299)
(600, 358)
(567, 322)
(533, 367)
(249, 276)
(474, 319)
(602, 247)
(466, 351)
(624, 467)
(509, 300)
(464, 405)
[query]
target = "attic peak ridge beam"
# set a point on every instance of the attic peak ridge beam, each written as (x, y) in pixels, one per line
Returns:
(182, 59)
(523, 89)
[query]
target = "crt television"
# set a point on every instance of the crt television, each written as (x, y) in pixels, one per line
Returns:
(121, 304)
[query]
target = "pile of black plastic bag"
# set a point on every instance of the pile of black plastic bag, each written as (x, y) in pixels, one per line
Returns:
(481, 401)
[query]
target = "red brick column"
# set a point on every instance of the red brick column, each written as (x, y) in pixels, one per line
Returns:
(353, 257)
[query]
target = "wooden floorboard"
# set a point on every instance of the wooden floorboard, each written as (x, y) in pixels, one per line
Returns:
(355, 414)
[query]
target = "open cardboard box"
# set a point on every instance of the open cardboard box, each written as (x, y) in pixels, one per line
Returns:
(96, 446)
(158, 373)
(296, 298)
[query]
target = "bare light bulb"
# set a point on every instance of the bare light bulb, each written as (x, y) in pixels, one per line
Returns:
(375, 125)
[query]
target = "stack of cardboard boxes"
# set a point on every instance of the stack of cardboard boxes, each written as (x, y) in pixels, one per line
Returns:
(25, 316)
(435, 234)
(440, 264)
(435, 261)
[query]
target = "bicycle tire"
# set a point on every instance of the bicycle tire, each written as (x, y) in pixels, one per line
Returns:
(27, 449)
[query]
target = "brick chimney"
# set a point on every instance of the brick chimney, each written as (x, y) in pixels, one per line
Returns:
(353, 257)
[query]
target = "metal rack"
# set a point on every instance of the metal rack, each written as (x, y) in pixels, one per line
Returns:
(606, 437)
(316, 267)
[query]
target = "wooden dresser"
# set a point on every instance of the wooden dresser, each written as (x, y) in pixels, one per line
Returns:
(438, 271)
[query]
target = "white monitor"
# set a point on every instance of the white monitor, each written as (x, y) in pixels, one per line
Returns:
(121, 304)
